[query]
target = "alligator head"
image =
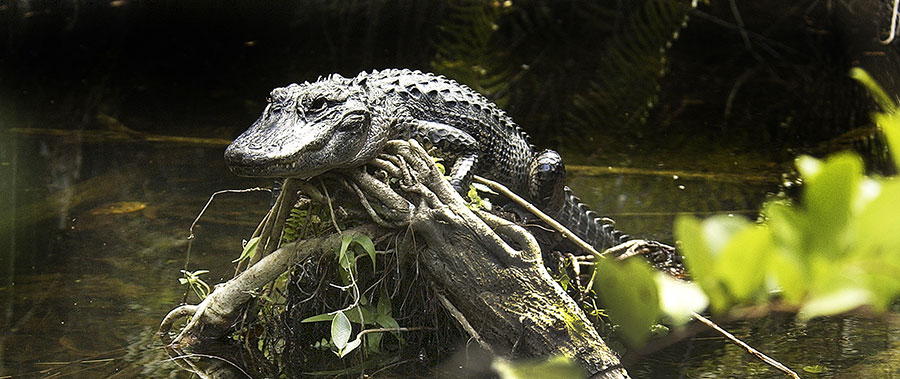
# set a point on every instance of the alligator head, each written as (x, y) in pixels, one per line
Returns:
(310, 128)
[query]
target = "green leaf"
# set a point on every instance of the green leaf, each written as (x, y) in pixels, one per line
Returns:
(702, 243)
(340, 331)
(373, 341)
(876, 231)
(808, 167)
(249, 250)
(698, 258)
(742, 263)
(678, 299)
(828, 199)
(353, 314)
(787, 226)
(343, 258)
(842, 300)
(890, 126)
(719, 230)
(629, 292)
(384, 304)
(875, 90)
(790, 275)
(368, 246)
(319, 318)
(387, 322)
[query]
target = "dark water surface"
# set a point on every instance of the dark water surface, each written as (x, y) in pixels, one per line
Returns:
(114, 117)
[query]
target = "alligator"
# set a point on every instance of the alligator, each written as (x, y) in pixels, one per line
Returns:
(336, 122)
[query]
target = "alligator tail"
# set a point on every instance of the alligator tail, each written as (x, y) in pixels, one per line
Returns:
(599, 232)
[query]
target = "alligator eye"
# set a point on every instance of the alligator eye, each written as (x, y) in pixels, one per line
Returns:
(318, 104)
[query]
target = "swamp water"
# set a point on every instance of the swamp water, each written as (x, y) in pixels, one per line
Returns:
(97, 194)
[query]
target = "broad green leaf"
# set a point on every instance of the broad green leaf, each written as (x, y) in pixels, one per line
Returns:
(249, 250)
(373, 341)
(790, 274)
(702, 243)
(786, 225)
(368, 246)
(878, 229)
(718, 231)
(354, 314)
(387, 322)
(835, 302)
(884, 284)
(384, 304)
(340, 331)
(678, 299)
(698, 258)
(828, 200)
(808, 167)
(319, 318)
(629, 293)
(742, 263)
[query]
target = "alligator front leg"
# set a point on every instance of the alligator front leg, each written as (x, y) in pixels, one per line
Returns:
(452, 144)
(547, 180)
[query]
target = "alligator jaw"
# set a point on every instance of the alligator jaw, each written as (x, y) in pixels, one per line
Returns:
(242, 164)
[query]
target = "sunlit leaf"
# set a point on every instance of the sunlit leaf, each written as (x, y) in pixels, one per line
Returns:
(340, 331)
(698, 240)
(249, 250)
(789, 274)
(808, 167)
(876, 230)
(839, 301)
(890, 126)
(787, 226)
(698, 258)
(678, 299)
(718, 231)
(828, 202)
(881, 97)
(742, 263)
(629, 292)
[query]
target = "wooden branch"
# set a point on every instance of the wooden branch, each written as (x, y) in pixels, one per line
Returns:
(756, 353)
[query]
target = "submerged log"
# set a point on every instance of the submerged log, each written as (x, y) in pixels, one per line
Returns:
(486, 271)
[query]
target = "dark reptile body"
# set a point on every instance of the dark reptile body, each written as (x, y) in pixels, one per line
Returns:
(411, 102)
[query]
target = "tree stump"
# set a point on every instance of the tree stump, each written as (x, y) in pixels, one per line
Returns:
(487, 272)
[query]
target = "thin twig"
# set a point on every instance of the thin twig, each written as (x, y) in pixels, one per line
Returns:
(463, 322)
(893, 24)
(537, 212)
(330, 208)
(750, 349)
(208, 202)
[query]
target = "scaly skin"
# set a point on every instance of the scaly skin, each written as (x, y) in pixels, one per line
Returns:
(339, 122)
